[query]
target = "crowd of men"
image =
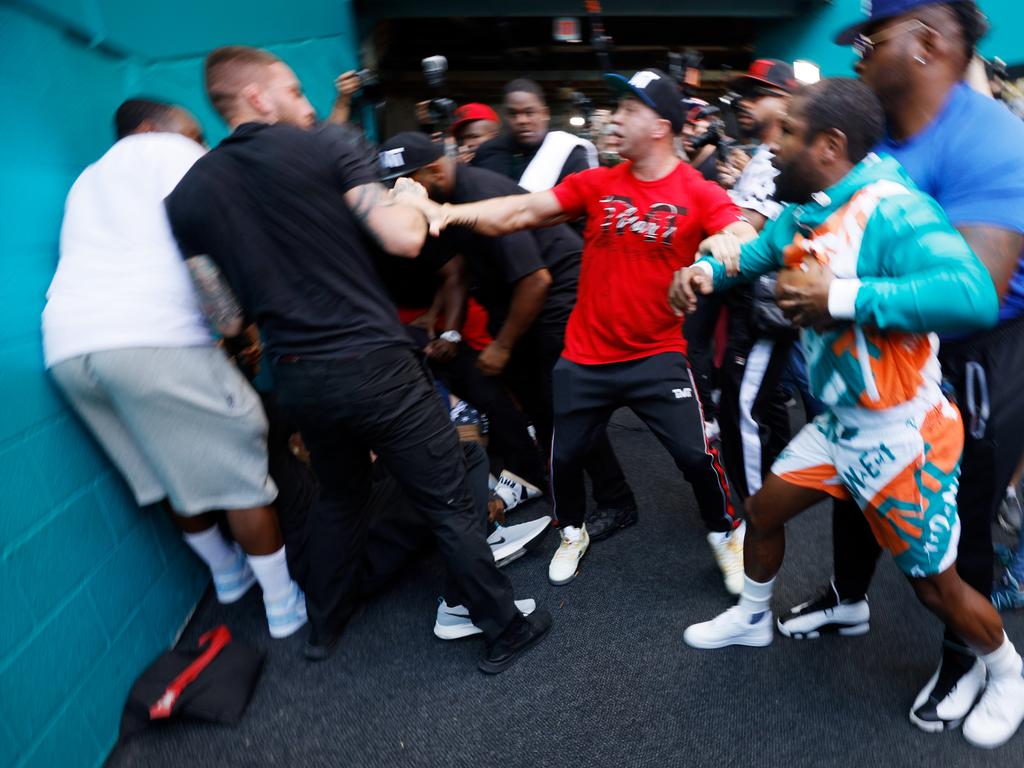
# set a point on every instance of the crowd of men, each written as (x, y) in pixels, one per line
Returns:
(859, 241)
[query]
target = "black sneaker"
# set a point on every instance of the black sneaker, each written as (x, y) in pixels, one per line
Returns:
(604, 521)
(521, 634)
(320, 647)
(826, 613)
(947, 698)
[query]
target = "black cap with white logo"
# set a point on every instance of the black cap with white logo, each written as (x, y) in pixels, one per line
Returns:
(405, 153)
(655, 89)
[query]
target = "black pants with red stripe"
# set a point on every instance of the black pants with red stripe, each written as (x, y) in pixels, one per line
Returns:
(660, 390)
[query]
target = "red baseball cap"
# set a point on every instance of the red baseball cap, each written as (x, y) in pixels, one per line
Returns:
(469, 113)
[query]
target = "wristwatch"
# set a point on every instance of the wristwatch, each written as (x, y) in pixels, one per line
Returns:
(453, 337)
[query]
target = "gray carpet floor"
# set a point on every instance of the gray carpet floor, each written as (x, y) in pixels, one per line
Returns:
(611, 685)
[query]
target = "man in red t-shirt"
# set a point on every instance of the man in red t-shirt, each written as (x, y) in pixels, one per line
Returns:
(624, 345)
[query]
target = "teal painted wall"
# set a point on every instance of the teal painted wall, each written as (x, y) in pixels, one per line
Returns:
(91, 587)
(810, 37)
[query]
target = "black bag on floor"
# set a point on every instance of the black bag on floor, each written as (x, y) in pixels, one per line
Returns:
(212, 682)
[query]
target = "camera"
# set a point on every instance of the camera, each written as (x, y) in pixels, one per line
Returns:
(440, 109)
(716, 136)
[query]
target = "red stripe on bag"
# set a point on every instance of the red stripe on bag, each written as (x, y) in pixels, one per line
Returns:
(217, 638)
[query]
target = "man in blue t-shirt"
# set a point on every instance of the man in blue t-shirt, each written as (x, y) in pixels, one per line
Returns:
(967, 151)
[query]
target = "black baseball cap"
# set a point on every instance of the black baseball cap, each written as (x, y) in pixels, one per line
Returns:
(655, 89)
(405, 153)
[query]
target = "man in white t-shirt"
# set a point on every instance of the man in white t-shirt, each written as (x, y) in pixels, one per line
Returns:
(126, 341)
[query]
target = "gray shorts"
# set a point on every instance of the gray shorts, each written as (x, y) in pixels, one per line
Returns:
(180, 423)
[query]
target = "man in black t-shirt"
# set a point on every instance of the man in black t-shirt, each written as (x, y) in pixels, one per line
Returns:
(527, 152)
(527, 283)
(291, 215)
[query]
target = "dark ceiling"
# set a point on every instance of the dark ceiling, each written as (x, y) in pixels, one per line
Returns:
(484, 53)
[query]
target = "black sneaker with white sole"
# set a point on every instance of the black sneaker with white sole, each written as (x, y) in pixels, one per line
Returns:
(950, 694)
(827, 613)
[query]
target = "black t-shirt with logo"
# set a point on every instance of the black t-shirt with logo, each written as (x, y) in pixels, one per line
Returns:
(267, 205)
(495, 264)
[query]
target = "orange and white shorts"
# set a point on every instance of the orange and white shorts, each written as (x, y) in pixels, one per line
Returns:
(903, 472)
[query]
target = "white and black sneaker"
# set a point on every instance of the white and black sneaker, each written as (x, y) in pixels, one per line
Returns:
(947, 698)
(509, 543)
(514, 490)
(827, 613)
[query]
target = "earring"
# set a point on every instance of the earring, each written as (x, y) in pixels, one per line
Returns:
(920, 60)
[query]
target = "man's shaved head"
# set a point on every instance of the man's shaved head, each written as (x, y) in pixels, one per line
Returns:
(230, 69)
(252, 85)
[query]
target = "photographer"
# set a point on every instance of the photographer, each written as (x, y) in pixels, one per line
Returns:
(698, 122)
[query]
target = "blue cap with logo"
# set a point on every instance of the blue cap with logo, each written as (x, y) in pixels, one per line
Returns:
(880, 10)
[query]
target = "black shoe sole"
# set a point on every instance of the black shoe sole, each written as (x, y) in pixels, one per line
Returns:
(844, 630)
(495, 668)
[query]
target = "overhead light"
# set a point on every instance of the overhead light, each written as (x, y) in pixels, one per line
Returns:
(577, 122)
(806, 72)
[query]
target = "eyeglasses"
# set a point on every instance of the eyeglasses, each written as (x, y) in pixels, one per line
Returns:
(865, 46)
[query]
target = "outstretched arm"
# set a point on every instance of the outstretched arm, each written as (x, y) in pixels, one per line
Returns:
(497, 216)
(734, 255)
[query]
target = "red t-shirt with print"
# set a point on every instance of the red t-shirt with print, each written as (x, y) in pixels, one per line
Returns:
(638, 234)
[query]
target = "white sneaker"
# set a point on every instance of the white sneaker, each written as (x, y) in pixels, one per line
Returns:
(946, 698)
(508, 543)
(286, 615)
(514, 490)
(728, 550)
(998, 715)
(453, 621)
(734, 627)
(566, 562)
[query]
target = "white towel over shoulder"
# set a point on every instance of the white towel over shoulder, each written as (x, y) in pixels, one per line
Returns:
(543, 171)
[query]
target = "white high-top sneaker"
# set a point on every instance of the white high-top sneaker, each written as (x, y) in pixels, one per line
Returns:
(565, 564)
(998, 714)
(728, 550)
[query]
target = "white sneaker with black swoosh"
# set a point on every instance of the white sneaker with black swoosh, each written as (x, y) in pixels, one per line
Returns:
(453, 621)
(508, 543)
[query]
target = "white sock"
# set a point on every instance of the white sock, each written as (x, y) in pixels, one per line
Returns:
(213, 548)
(756, 596)
(1004, 661)
(272, 574)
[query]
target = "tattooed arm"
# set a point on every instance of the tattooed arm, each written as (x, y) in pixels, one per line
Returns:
(398, 228)
(215, 297)
(999, 249)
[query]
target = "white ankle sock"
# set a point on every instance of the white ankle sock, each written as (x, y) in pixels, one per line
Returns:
(1004, 661)
(756, 596)
(272, 574)
(213, 548)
